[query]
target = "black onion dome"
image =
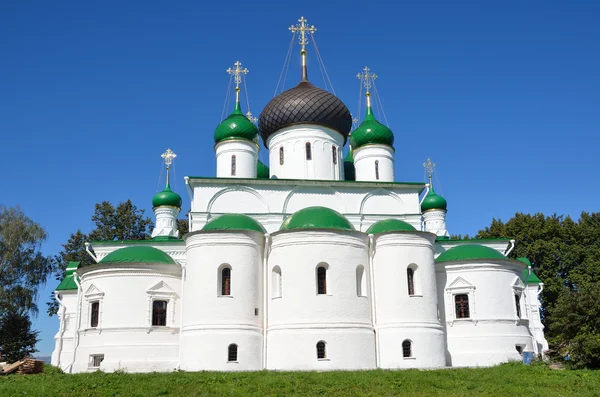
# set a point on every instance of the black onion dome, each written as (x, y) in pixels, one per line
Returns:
(304, 104)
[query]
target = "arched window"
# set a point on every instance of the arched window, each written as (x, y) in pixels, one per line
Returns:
(334, 154)
(232, 353)
(461, 306)
(281, 155)
(406, 349)
(361, 281)
(226, 281)
(410, 276)
(276, 282)
(518, 305)
(308, 151)
(233, 165)
(377, 169)
(159, 313)
(321, 350)
(321, 280)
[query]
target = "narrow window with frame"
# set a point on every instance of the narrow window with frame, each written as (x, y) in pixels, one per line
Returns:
(461, 306)
(232, 353)
(321, 280)
(159, 313)
(226, 281)
(406, 349)
(94, 314)
(518, 305)
(377, 169)
(281, 155)
(321, 350)
(233, 165)
(334, 154)
(308, 151)
(410, 276)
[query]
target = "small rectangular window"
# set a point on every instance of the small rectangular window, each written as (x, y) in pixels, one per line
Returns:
(232, 353)
(281, 155)
(233, 165)
(321, 280)
(518, 305)
(96, 360)
(159, 313)
(461, 306)
(308, 151)
(94, 314)
(377, 169)
(334, 154)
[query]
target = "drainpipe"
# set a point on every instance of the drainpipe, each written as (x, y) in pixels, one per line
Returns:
(265, 298)
(90, 253)
(183, 271)
(62, 327)
(372, 294)
(77, 324)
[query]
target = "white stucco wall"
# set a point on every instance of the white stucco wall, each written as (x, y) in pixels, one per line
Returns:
(435, 222)
(295, 165)
(400, 316)
(533, 306)
(301, 317)
(364, 163)
(493, 331)
(125, 334)
(211, 321)
(62, 355)
(166, 221)
(246, 157)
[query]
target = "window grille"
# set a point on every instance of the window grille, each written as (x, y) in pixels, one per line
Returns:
(461, 305)
(321, 280)
(321, 351)
(518, 305)
(96, 360)
(226, 281)
(94, 314)
(406, 349)
(159, 313)
(308, 151)
(233, 166)
(410, 275)
(232, 353)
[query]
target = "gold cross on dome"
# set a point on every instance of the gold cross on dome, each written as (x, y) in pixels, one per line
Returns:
(302, 27)
(168, 157)
(367, 77)
(237, 73)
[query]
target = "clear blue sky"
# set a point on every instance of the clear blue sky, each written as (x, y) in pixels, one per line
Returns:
(503, 95)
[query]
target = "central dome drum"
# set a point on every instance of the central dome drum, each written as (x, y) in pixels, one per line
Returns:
(304, 104)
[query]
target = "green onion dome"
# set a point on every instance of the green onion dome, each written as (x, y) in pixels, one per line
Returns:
(236, 126)
(262, 171)
(316, 218)
(234, 222)
(166, 198)
(469, 252)
(138, 254)
(390, 225)
(433, 201)
(349, 170)
(371, 132)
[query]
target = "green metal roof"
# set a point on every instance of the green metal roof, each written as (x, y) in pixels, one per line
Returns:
(155, 240)
(433, 201)
(234, 222)
(316, 218)
(390, 225)
(349, 170)
(262, 171)
(370, 132)
(68, 283)
(166, 197)
(469, 252)
(236, 126)
(138, 254)
(527, 277)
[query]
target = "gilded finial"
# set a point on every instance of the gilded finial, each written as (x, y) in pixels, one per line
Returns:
(168, 158)
(367, 78)
(237, 73)
(430, 168)
(303, 28)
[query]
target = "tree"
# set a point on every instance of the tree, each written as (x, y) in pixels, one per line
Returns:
(182, 226)
(566, 256)
(17, 339)
(123, 222)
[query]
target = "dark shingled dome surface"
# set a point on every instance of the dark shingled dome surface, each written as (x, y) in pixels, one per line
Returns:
(304, 104)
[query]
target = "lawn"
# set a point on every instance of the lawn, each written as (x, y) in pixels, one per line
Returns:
(512, 379)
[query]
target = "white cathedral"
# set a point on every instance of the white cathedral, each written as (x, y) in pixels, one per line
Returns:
(316, 262)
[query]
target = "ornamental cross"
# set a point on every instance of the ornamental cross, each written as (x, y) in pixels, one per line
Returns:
(429, 167)
(303, 27)
(168, 157)
(251, 117)
(355, 122)
(237, 73)
(367, 77)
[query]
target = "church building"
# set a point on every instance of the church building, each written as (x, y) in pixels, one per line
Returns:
(314, 261)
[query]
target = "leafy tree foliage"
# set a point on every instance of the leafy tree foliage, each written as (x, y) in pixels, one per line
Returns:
(182, 226)
(17, 339)
(566, 256)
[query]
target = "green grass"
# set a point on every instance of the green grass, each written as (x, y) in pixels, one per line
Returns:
(512, 379)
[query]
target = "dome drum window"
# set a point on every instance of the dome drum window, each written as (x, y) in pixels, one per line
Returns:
(308, 151)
